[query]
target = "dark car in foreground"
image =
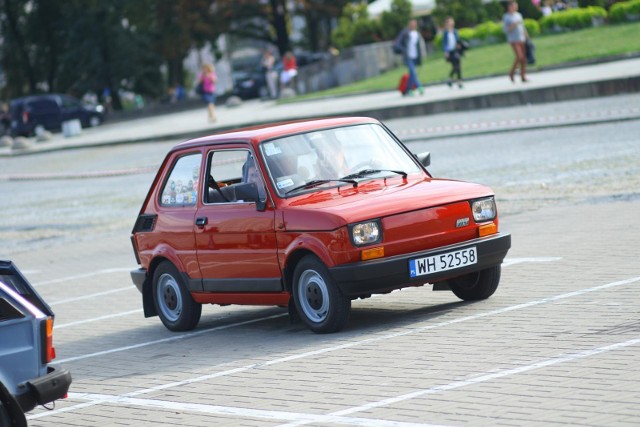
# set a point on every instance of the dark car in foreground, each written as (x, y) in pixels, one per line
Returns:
(311, 215)
(26, 349)
(31, 114)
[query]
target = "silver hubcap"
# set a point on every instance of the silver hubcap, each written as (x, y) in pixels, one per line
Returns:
(94, 121)
(314, 296)
(169, 297)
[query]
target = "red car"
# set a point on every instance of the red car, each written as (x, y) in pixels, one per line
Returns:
(311, 215)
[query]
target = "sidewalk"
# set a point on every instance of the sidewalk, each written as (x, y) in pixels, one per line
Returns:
(546, 86)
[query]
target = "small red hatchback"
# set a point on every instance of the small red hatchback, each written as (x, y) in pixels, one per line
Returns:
(310, 215)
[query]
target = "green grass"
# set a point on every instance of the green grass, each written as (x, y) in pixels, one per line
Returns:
(495, 59)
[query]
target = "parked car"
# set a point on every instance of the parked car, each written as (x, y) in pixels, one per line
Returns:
(26, 344)
(310, 214)
(251, 82)
(31, 114)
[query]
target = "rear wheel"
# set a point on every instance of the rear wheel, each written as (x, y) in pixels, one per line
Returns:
(476, 286)
(318, 300)
(173, 302)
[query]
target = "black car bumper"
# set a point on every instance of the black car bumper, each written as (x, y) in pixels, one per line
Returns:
(139, 276)
(45, 389)
(386, 274)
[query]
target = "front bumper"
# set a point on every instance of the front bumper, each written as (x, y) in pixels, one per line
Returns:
(386, 274)
(45, 389)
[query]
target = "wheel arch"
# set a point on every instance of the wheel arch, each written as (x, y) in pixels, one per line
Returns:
(147, 288)
(292, 261)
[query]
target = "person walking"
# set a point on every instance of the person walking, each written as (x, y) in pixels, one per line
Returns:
(513, 26)
(409, 42)
(270, 74)
(207, 82)
(452, 50)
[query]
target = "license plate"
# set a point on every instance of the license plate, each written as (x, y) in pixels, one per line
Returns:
(443, 262)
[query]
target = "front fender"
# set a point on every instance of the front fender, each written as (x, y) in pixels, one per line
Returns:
(331, 247)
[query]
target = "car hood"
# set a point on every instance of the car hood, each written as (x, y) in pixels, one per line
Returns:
(335, 207)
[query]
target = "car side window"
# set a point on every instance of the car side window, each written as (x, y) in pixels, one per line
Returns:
(8, 311)
(234, 176)
(181, 188)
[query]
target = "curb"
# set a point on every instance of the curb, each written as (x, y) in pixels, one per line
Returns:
(520, 96)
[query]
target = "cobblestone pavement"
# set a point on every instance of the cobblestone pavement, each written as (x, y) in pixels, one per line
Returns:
(558, 344)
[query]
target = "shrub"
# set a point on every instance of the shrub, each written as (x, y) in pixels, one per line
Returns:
(466, 33)
(437, 41)
(532, 26)
(587, 3)
(572, 19)
(487, 30)
(625, 11)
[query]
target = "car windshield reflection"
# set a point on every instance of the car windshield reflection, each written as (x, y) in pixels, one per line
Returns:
(297, 163)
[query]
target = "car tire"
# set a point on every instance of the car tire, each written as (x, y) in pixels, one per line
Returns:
(476, 286)
(319, 302)
(173, 302)
(95, 121)
(38, 129)
(11, 413)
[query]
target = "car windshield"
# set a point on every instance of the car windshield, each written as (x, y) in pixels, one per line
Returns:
(339, 156)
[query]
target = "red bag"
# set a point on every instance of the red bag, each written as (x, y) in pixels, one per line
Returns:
(402, 86)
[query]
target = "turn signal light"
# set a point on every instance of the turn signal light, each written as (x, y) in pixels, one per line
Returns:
(51, 351)
(486, 229)
(372, 253)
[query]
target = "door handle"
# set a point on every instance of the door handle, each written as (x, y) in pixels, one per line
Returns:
(202, 221)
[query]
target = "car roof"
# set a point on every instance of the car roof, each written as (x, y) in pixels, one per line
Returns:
(257, 134)
(30, 98)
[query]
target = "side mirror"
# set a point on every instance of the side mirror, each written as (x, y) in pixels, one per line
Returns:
(249, 192)
(424, 158)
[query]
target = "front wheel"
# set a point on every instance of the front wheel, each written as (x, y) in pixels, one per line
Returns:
(476, 286)
(318, 300)
(95, 121)
(174, 304)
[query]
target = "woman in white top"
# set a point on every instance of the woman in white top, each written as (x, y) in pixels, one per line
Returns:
(513, 26)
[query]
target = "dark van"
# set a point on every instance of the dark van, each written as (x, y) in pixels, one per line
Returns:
(47, 112)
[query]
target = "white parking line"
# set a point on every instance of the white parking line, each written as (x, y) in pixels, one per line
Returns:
(97, 319)
(325, 349)
(513, 261)
(82, 276)
(341, 417)
(487, 376)
(172, 338)
(243, 412)
(97, 294)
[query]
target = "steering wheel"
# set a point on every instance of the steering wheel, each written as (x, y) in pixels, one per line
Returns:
(214, 184)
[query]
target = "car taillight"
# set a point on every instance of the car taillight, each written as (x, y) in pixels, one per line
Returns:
(48, 351)
(25, 117)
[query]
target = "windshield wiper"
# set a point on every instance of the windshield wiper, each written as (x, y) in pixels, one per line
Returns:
(316, 182)
(365, 172)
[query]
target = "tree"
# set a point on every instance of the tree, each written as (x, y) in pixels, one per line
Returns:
(393, 21)
(467, 13)
(355, 27)
(254, 19)
(319, 17)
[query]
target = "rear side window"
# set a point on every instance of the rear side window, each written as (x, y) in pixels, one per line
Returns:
(8, 311)
(181, 188)
(43, 105)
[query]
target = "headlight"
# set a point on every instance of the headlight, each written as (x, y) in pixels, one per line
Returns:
(366, 233)
(484, 210)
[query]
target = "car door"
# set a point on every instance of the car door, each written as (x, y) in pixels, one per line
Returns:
(176, 206)
(235, 239)
(71, 108)
(44, 111)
